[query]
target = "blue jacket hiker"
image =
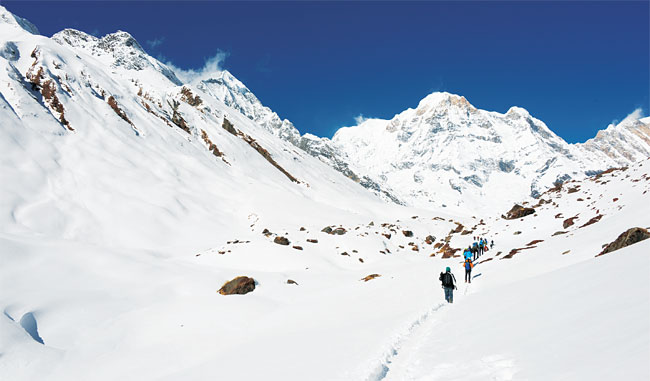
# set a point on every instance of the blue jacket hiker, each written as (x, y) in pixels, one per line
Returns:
(468, 270)
(448, 284)
(467, 253)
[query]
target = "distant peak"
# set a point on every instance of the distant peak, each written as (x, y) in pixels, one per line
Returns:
(120, 38)
(73, 37)
(514, 110)
(7, 17)
(445, 99)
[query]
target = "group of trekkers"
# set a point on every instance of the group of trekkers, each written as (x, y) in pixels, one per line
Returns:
(470, 255)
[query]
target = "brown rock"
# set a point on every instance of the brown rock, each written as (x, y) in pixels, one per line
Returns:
(515, 251)
(312, 240)
(430, 239)
(415, 248)
(370, 277)
(297, 247)
(629, 237)
(534, 242)
(339, 231)
(518, 211)
(559, 232)
(387, 235)
(592, 220)
(327, 229)
(361, 260)
(517, 232)
(459, 228)
(302, 229)
(345, 253)
(407, 233)
(291, 281)
(568, 222)
(281, 241)
(240, 285)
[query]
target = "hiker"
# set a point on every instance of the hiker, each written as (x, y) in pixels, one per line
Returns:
(448, 284)
(475, 249)
(468, 270)
(481, 244)
(492, 244)
(467, 253)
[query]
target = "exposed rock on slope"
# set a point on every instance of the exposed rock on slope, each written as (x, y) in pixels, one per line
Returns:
(629, 237)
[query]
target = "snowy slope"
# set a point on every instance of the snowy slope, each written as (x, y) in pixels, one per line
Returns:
(129, 198)
(552, 310)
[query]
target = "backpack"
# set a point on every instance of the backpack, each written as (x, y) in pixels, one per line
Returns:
(446, 280)
(468, 265)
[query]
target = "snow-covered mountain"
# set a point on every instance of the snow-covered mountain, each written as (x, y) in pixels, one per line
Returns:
(446, 152)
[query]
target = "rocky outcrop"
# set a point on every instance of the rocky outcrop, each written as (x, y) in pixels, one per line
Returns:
(240, 285)
(518, 211)
(629, 237)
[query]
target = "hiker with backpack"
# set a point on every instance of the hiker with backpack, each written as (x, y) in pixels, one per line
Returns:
(475, 249)
(467, 253)
(448, 284)
(468, 270)
(492, 244)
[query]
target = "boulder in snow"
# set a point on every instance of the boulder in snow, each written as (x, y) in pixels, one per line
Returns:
(518, 211)
(240, 285)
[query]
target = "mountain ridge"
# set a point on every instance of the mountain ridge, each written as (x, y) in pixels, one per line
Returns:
(444, 152)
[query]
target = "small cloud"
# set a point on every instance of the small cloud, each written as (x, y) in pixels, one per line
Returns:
(153, 44)
(212, 65)
(634, 115)
(360, 119)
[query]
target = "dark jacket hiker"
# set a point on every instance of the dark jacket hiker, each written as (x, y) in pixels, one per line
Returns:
(448, 284)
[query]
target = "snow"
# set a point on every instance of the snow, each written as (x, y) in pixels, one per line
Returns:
(115, 237)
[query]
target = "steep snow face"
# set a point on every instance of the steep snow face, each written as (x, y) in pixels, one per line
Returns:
(224, 87)
(626, 142)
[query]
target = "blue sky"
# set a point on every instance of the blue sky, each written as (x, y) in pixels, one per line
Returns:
(577, 66)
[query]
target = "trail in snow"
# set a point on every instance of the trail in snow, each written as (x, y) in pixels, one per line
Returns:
(419, 330)
(381, 371)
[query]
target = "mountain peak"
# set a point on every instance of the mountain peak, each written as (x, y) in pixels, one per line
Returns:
(74, 38)
(516, 111)
(9, 18)
(119, 38)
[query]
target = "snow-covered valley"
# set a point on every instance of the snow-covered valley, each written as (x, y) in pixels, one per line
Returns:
(129, 198)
